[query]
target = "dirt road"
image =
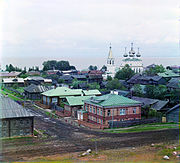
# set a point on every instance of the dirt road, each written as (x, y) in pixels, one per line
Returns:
(64, 138)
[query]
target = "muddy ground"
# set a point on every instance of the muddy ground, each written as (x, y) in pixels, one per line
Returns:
(60, 138)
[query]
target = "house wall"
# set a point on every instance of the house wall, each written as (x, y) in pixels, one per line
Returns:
(71, 110)
(173, 116)
(16, 127)
(103, 117)
(33, 96)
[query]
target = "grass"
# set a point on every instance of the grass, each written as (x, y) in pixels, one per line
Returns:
(17, 138)
(20, 89)
(12, 96)
(142, 128)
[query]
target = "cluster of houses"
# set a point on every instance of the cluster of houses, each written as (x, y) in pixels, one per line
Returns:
(90, 108)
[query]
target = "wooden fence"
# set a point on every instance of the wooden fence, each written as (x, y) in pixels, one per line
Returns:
(117, 124)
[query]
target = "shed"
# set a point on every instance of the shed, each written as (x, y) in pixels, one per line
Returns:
(14, 119)
(172, 115)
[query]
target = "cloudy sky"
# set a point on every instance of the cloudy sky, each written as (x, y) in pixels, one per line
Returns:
(80, 30)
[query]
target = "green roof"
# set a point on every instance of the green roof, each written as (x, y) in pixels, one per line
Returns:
(91, 92)
(132, 59)
(168, 73)
(76, 100)
(112, 100)
(62, 91)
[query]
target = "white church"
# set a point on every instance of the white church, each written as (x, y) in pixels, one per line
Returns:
(132, 58)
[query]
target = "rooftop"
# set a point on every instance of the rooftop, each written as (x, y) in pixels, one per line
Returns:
(76, 100)
(132, 59)
(174, 83)
(11, 109)
(112, 100)
(62, 91)
(36, 88)
(91, 92)
(154, 103)
(13, 80)
(168, 73)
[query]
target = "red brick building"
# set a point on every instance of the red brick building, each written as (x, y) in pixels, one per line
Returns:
(110, 107)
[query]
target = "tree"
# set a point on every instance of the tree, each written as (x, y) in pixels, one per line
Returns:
(15, 86)
(154, 92)
(104, 68)
(92, 67)
(125, 73)
(10, 68)
(49, 65)
(115, 84)
(60, 81)
(109, 78)
(138, 90)
(155, 70)
(58, 65)
(75, 83)
(24, 70)
(36, 68)
(94, 86)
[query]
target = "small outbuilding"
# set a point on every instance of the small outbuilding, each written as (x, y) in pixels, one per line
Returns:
(14, 119)
(172, 115)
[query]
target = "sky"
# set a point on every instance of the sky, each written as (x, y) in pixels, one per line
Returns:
(80, 31)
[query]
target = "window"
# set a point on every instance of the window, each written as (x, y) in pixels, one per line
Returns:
(134, 110)
(86, 108)
(101, 121)
(122, 111)
(109, 113)
(101, 111)
(97, 120)
(94, 110)
(90, 108)
(97, 111)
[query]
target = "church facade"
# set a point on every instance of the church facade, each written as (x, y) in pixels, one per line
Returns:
(132, 58)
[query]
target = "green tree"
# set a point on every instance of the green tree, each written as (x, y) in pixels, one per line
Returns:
(138, 90)
(104, 68)
(59, 65)
(125, 73)
(10, 68)
(109, 78)
(155, 70)
(91, 67)
(94, 86)
(15, 86)
(153, 91)
(115, 84)
(60, 81)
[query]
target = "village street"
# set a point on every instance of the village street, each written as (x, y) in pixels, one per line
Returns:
(65, 138)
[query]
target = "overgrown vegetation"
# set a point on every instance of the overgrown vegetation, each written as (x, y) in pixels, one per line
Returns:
(125, 73)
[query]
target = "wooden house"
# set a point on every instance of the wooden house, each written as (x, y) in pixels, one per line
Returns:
(56, 96)
(172, 115)
(33, 92)
(9, 82)
(73, 104)
(14, 119)
(146, 80)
